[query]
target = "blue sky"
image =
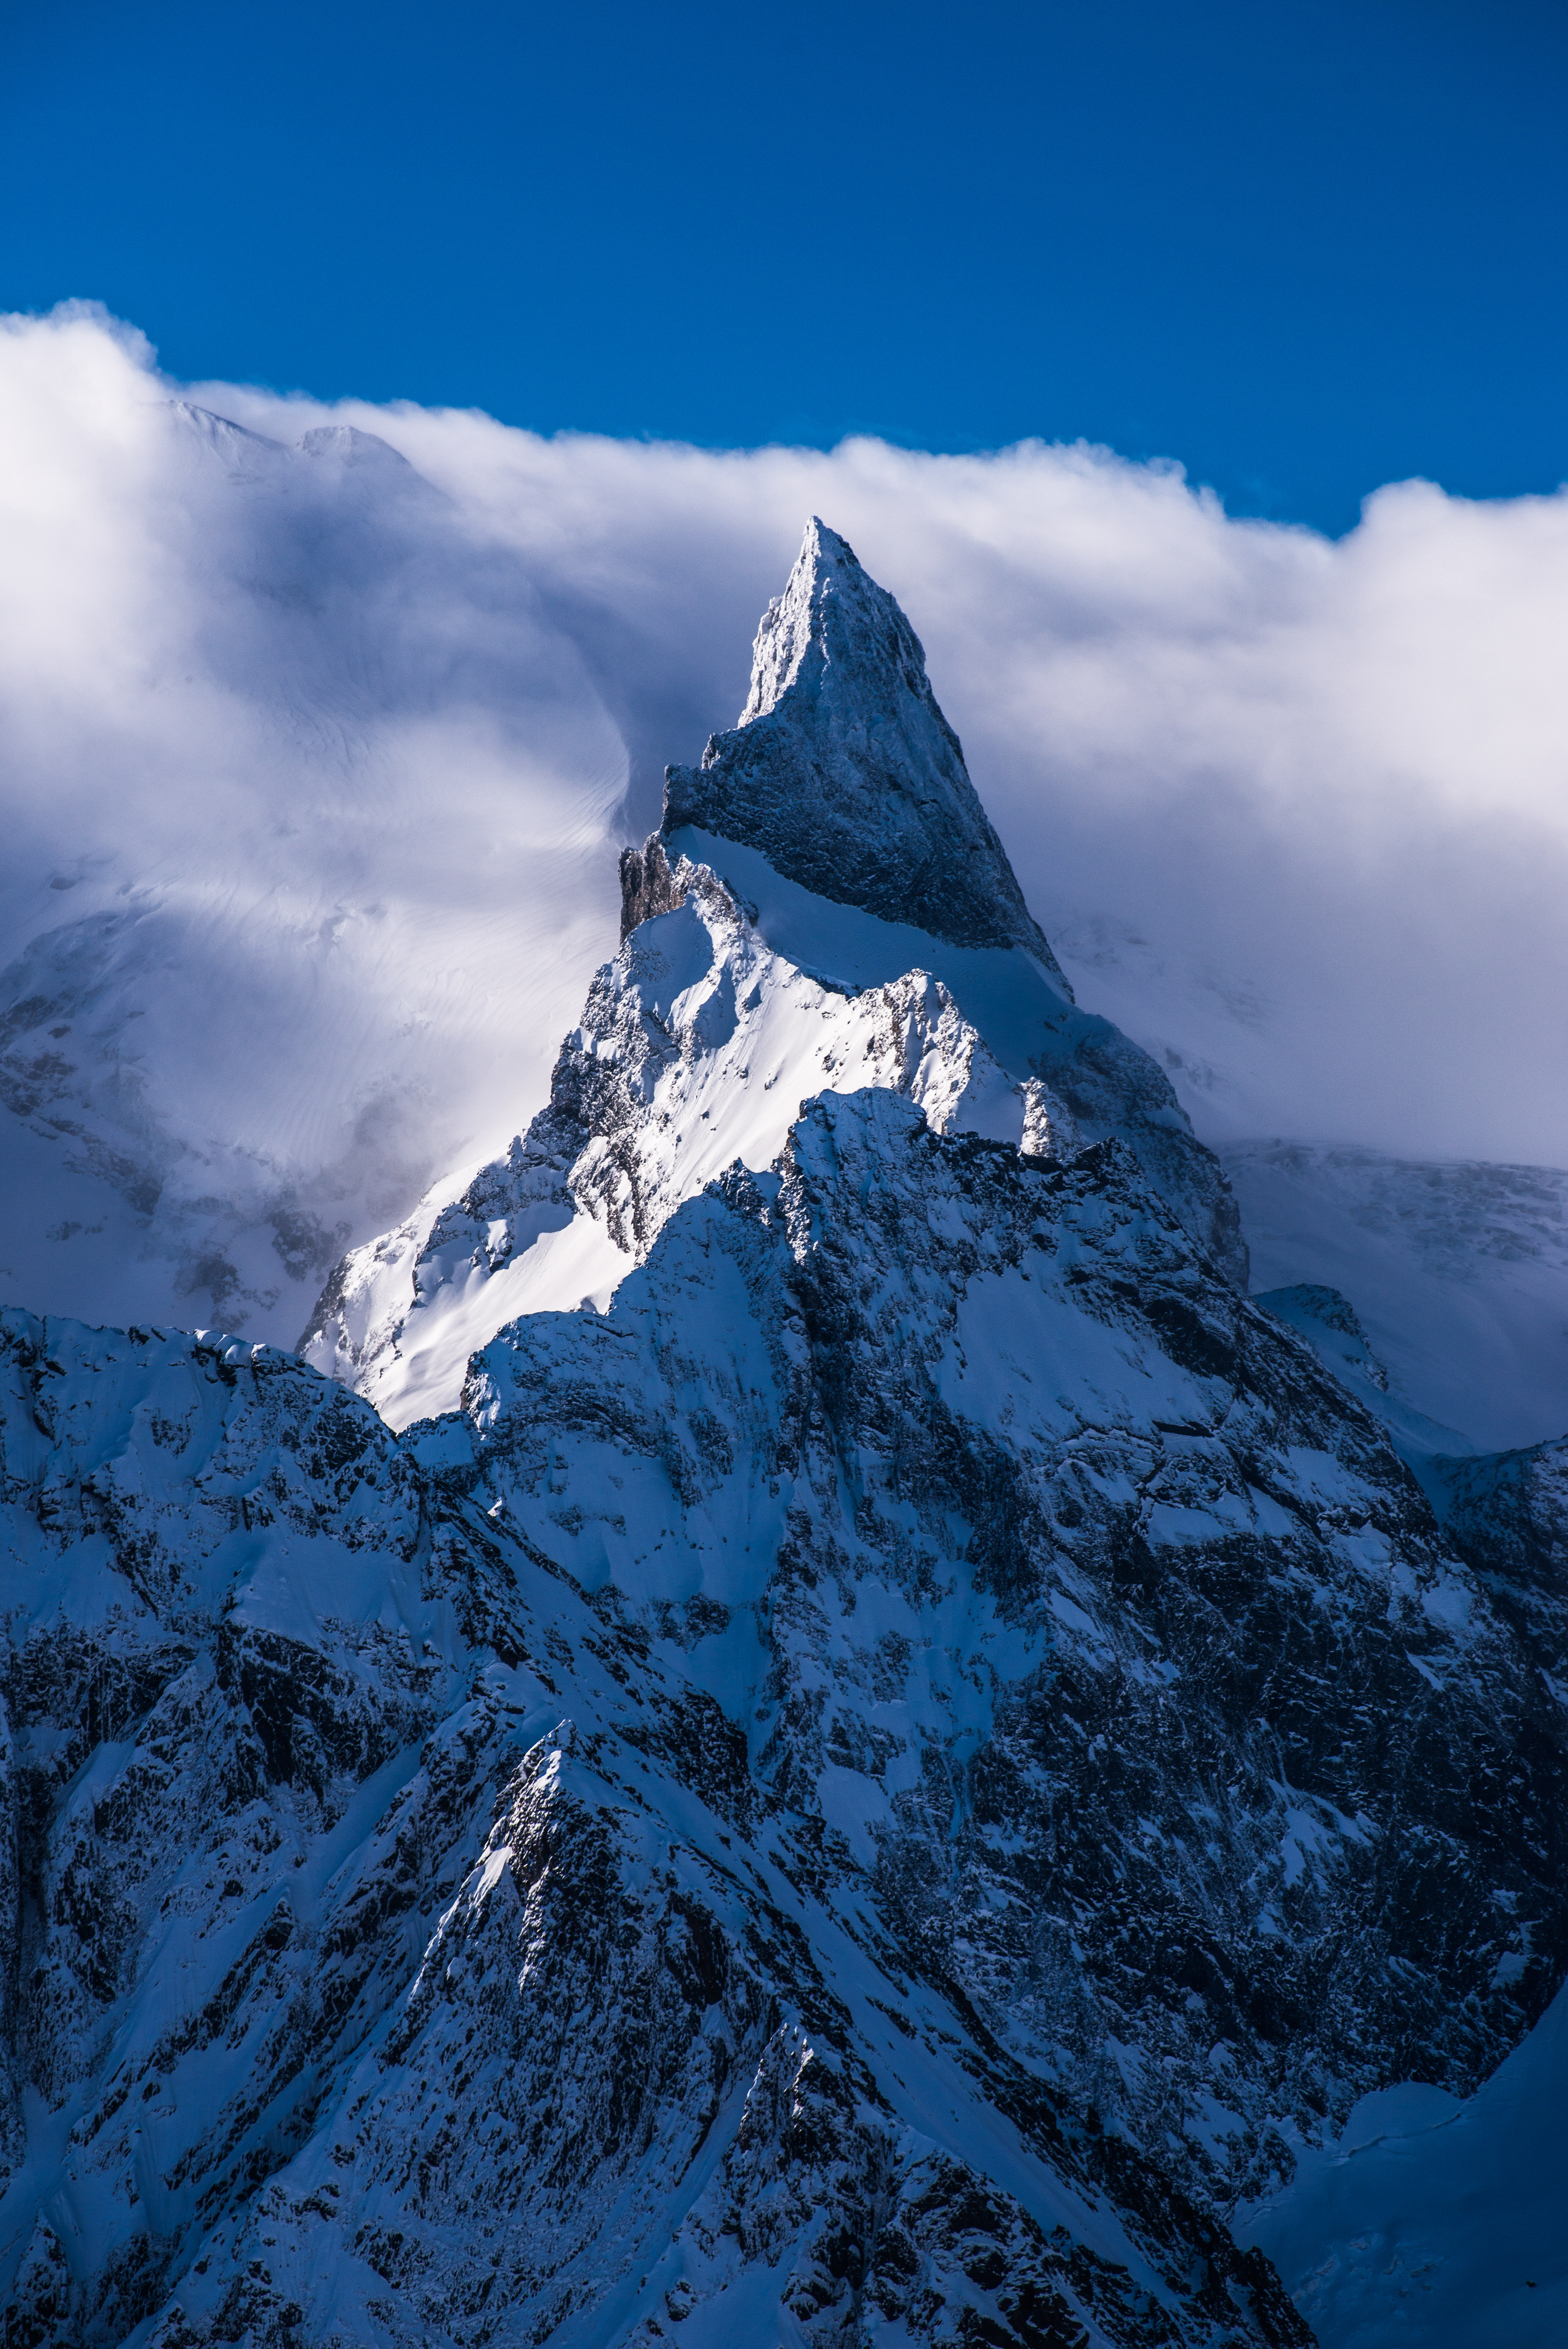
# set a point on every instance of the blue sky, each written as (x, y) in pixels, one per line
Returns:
(1303, 249)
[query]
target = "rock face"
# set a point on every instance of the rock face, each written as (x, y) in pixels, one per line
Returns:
(824, 938)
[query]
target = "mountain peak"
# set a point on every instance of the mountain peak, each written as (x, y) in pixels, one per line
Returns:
(831, 611)
(844, 772)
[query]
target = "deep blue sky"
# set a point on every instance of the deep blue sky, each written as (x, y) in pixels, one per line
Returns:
(1303, 249)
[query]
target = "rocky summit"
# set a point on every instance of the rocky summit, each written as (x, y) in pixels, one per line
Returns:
(845, 773)
(803, 1727)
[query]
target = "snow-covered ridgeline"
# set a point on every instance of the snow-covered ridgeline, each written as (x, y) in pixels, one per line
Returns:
(697, 1048)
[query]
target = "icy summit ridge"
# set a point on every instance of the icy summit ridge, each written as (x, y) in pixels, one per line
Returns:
(844, 772)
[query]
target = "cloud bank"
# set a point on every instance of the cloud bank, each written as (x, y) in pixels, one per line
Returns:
(321, 726)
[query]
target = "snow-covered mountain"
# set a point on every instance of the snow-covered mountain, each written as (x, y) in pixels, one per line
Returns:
(860, 1750)
(313, 751)
(760, 960)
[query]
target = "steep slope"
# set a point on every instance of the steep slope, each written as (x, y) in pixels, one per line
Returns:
(829, 924)
(863, 1795)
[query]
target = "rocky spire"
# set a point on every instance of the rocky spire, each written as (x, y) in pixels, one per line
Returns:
(844, 772)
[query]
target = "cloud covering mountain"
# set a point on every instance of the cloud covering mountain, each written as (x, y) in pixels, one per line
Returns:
(318, 747)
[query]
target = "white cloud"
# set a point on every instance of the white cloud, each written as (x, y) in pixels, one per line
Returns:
(309, 812)
(337, 746)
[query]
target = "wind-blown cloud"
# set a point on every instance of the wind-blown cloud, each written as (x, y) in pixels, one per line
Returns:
(309, 809)
(314, 760)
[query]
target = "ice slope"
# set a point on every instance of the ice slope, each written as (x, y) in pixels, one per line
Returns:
(738, 991)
